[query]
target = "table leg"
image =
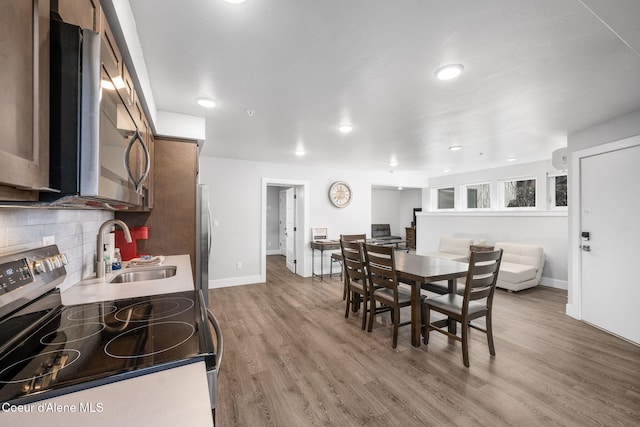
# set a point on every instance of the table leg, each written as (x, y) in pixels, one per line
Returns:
(452, 285)
(321, 265)
(313, 263)
(416, 310)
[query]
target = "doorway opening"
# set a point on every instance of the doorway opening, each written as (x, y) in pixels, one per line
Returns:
(284, 217)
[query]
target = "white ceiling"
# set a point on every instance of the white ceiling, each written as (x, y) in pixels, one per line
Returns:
(535, 71)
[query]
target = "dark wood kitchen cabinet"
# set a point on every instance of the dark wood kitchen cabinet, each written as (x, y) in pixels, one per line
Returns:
(172, 222)
(24, 99)
(83, 13)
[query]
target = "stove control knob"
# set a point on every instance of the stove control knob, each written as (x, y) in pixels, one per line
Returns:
(39, 266)
(57, 262)
(63, 258)
(43, 265)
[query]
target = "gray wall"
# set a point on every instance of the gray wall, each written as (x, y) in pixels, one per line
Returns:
(540, 227)
(548, 230)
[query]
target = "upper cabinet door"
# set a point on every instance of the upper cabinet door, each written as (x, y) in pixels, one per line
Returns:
(83, 13)
(24, 98)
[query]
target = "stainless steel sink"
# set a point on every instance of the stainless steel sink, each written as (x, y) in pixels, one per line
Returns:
(150, 273)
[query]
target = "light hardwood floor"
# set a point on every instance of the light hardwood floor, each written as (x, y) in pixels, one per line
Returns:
(292, 359)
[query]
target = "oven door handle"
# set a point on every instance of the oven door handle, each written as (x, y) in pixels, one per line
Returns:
(216, 327)
(212, 373)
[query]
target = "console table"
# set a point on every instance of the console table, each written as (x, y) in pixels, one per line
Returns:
(324, 245)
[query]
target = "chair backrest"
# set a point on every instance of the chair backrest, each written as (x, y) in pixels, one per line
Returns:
(381, 266)
(353, 261)
(454, 245)
(353, 237)
(482, 276)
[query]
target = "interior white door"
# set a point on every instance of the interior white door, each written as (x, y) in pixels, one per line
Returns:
(291, 224)
(282, 226)
(610, 202)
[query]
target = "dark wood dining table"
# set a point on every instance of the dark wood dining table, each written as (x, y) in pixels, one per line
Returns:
(415, 270)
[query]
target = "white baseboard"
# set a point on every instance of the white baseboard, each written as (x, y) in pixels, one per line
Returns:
(235, 281)
(273, 252)
(554, 283)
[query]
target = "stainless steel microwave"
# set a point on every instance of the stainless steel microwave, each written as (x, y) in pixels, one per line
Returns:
(95, 145)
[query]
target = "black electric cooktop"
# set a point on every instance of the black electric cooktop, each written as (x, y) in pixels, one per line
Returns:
(48, 349)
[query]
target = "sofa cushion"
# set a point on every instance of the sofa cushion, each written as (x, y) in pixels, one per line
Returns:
(450, 245)
(515, 273)
(518, 253)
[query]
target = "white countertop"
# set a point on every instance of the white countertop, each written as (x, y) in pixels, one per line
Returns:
(174, 397)
(96, 290)
(177, 396)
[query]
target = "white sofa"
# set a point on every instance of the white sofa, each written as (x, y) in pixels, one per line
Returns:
(454, 249)
(521, 266)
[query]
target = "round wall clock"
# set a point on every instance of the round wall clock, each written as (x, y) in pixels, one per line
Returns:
(340, 194)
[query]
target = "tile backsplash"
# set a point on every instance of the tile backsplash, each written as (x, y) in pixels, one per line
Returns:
(75, 233)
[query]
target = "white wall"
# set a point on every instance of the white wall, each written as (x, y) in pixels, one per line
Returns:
(539, 170)
(613, 130)
(394, 207)
(538, 227)
(236, 189)
(545, 229)
(75, 233)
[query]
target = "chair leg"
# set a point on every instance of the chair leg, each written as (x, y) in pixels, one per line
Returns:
(346, 313)
(345, 286)
(465, 343)
(492, 349)
(396, 321)
(371, 314)
(426, 319)
(364, 312)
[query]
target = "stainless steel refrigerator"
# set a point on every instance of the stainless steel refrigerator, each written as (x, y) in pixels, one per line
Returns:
(203, 240)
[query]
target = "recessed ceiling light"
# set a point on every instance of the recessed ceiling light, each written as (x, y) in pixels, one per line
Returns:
(393, 163)
(206, 102)
(449, 72)
(446, 170)
(455, 148)
(399, 188)
(235, 1)
(511, 159)
(345, 128)
(300, 152)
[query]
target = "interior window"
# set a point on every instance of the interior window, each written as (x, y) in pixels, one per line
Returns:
(478, 196)
(520, 193)
(446, 198)
(560, 191)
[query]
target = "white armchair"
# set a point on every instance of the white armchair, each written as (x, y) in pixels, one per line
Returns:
(521, 266)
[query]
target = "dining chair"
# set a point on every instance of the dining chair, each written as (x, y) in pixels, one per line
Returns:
(476, 302)
(355, 278)
(349, 238)
(381, 269)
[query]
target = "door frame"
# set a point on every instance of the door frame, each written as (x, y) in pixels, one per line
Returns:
(302, 221)
(574, 304)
